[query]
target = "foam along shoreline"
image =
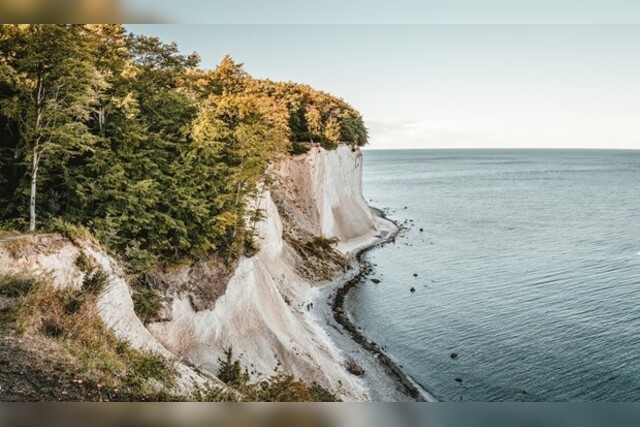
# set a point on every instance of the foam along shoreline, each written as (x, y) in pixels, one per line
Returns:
(384, 378)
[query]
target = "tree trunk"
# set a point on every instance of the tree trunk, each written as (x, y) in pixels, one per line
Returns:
(32, 201)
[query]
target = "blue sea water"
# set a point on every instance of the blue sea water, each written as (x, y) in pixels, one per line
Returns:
(528, 267)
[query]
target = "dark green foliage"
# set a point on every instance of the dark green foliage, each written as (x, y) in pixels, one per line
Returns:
(72, 301)
(147, 303)
(299, 148)
(94, 281)
(154, 157)
(230, 371)
(83, 262)
(321, 394)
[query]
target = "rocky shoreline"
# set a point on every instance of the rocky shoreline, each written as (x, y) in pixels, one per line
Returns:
(409, 387)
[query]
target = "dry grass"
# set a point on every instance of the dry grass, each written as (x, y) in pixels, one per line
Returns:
(16, 247)
(71, 318)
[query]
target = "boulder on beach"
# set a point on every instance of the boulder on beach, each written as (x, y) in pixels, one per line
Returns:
(354, 368)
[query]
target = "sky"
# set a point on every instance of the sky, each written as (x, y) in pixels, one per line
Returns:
(451, 86)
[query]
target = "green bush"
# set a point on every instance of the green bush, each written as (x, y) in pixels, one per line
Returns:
(299, 148)
(94, 281)
(230, 371)
(68, 230)
(320, 246)
(147, 303)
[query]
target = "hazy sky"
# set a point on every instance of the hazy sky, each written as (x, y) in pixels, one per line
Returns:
(437, 86)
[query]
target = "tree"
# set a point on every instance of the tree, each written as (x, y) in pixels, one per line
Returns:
(239, 135)
(56, 84)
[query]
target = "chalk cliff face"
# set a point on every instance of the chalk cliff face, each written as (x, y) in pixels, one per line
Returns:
(263, 312)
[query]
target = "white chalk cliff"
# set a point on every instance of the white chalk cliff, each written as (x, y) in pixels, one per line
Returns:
(262, 313)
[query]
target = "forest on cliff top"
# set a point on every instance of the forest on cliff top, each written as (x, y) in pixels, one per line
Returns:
(128, 138)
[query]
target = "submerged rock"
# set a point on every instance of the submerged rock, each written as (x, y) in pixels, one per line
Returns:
(374, 280)
(454, 355)
(412, 289)
(458, 380)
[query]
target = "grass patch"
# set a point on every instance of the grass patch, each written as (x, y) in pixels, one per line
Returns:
(70, 317)
(278, 388)
(17, 285)
(16, 247)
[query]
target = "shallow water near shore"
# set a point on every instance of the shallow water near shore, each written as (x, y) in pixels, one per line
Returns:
(528, 267)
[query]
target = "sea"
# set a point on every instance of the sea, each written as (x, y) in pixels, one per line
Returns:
(516, 276)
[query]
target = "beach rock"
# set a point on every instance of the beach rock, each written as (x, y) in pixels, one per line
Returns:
(412, 289)
(374, 280)
(354, 368)
(454, 355)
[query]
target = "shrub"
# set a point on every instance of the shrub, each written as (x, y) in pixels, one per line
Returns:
(230, 371)
(138, 260)
(68, 230)
(147, 303)
(320, 246)
(299, 148)
(94, 281)
(148, 366)
(83, 262)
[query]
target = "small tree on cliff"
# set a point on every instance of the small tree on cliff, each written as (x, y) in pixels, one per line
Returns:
(56, 84)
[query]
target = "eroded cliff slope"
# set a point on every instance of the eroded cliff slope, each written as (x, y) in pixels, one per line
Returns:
(314, 212)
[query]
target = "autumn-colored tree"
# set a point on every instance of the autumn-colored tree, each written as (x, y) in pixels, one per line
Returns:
(125, 135)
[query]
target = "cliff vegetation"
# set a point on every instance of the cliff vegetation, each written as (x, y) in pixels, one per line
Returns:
(126, 137)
